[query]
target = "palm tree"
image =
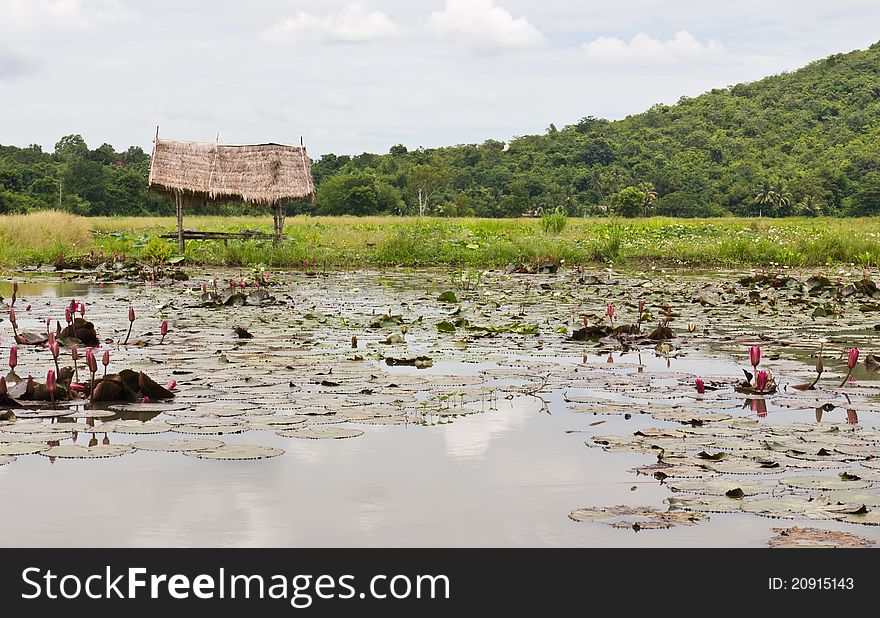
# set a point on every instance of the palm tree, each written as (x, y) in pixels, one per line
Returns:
(649, 197)
(782, 198)
(810, 205)
(765, 195)
(597, 184)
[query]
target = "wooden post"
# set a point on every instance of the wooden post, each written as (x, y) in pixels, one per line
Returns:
(178, 201)
(280, 223)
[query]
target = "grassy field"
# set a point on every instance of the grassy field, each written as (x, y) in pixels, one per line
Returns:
(409, 241)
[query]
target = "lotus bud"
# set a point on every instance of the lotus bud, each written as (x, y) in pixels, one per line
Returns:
(609, 311)
(3, 388)
(164, 329)
(51, 336)
(55, 349)
(701, 387)
(852, 417)
(74, 353)
(755, 355)
(13, 357)
(820, 366)
(12, 317)
(641, 307)
(82, 309)
(90, 360)
(76, 386)
(50, 383)
(146, 399)
(691, 327)
(761, 380)
(15, 287)
(853, 358)
(67, 316)
(105, 358)
(171, 385)
(131, 314)
(354, 341)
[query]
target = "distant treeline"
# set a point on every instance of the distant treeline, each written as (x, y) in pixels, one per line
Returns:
(800, 143)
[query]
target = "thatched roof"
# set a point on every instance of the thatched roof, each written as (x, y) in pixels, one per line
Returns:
(257, 173)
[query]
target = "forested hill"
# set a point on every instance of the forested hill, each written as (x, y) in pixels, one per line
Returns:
(805, 142)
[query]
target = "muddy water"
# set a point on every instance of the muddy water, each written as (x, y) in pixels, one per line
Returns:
(507, 476)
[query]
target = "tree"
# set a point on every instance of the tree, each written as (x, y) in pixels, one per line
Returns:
(627, 202)
(424, 181)
(765, 196)
(71, 148)
(649, 196)
(810, 206)
(357, 194)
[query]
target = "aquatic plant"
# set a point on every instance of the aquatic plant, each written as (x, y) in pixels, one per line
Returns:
(130, 324)
(852, 360)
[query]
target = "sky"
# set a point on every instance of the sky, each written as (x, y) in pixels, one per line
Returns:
(363, 75)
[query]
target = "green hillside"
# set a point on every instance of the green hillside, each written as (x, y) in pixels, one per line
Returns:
(805, 142)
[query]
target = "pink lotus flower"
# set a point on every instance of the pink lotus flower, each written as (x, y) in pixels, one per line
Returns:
(91, 361)
(761, 380)
(171, 385)
(755, 355)
(146, 399)
(50, 385)
(76, 386)
(701, 387)
(853, 358)
(851, 362)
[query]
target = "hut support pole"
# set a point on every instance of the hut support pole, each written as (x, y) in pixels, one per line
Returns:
(178, 201)
(279, 222)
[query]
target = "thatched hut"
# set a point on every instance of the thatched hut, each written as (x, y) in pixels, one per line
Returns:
(195, 172)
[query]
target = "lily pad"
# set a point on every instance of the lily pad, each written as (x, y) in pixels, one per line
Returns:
(237, 452)
(21, 448)
(321, 433)
(76, 451)
(176, 446)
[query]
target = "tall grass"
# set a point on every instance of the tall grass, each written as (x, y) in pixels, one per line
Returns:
(39, 237)
(473, 243)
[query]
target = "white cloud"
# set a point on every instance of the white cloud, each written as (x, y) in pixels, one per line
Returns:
(355, 23)
(646, 50)
(483, 26)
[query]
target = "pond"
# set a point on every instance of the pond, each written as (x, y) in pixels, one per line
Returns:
(437, 408)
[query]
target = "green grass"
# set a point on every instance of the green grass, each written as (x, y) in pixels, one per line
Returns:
(475, 243)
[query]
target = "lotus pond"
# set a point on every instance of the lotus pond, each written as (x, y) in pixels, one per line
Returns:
(538, 406)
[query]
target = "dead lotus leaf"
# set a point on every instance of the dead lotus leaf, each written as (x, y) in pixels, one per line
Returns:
(319, 433)
(815, 537)
(237, 452)
(636, 517)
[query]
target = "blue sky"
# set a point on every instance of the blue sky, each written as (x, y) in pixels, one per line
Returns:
(353, 76)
